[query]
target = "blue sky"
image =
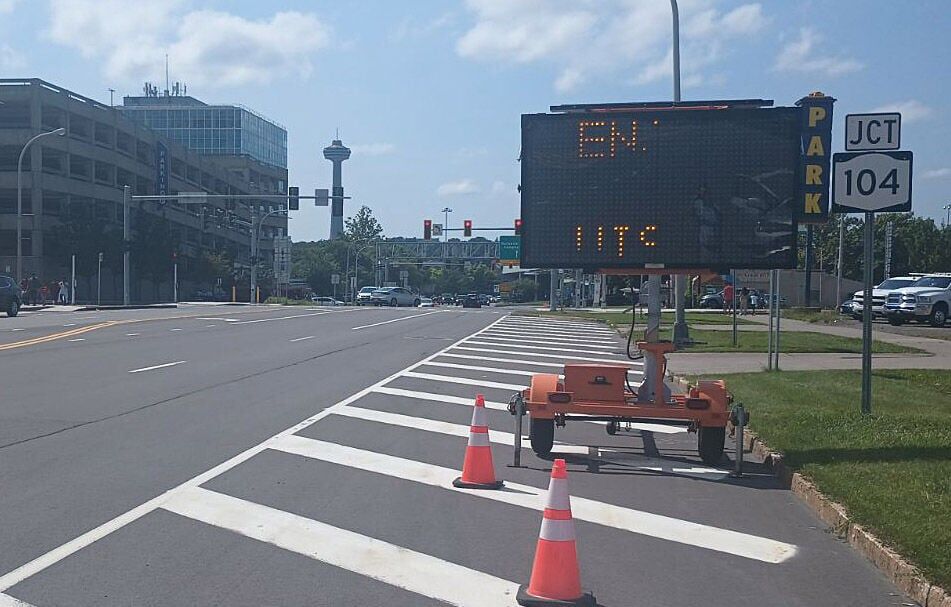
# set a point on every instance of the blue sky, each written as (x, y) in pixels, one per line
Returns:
(428, 93)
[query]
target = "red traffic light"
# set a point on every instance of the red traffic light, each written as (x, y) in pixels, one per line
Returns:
(518, 226)
(467, 228)
(427, 229)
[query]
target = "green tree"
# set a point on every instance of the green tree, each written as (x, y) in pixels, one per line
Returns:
(362, 226)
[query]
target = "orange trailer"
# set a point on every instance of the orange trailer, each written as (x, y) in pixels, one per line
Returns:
(601, 392)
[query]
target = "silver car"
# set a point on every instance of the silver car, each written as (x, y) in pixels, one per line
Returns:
(394, 296)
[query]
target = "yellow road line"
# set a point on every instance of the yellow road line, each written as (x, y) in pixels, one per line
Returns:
(62, 335)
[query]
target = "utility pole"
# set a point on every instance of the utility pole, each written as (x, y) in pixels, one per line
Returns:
(807, 299)
(681, 334)
(126, 201)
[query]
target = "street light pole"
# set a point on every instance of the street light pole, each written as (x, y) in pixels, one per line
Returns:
(60, 132)
(681, 331)
(255, 234)
(947, 220)
(126, 201)
(445, 229)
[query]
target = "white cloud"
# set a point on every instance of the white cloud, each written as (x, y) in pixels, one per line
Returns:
(585, 39)
(911, 110)
(461, 187)
(941, 173)
(204, 46)
(10, 58)
(802, 55)
(373, 149)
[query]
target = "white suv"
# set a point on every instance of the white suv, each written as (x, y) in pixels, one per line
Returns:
(928, 299)
(879, 294)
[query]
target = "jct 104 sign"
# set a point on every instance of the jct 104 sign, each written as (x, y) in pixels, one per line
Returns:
(711, 188)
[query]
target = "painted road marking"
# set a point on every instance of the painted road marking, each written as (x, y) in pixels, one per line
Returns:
(302, 338)
(131, 334)
(62, 335)
(401, 567)
(463, 380)
(627, 519)
(209, 326)
(488, 369)
(162, 366)
(8, 601)
(567, 326)
(553, 336)
(73, 546)
(593, 328)
(633, 363)
(529, 347)
(175, 329)
(536, 363)
(439, 398)
(592, 348)
(386, 322)
(77, 339)
(438, 427)
(248, 322)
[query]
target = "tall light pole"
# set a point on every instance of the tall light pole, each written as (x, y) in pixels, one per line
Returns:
(445, 226)
(59, 132)
(947, 209)
(681, 331)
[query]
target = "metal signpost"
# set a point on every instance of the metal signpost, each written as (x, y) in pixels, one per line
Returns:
(335, 280)
(869, 182)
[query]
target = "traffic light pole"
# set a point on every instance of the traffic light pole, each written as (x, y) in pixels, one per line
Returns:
(126, 202)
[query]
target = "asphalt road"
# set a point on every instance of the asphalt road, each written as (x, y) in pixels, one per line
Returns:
(297, 456)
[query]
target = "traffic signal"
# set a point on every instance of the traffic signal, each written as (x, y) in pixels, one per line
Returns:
(518, 227)
(427, 229)
(467, 228)
(293, 198)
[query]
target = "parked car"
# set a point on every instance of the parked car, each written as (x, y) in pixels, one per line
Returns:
(363, 296)
(712, 301)
(928, 299)
(847, 308)
(11, 298)
(325, 301)
(394, 296)
(425, 302)
(879, 295)
(472, 300)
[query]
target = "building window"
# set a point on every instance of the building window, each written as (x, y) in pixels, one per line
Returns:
(53, 203)
(54, 161)
(15, 115)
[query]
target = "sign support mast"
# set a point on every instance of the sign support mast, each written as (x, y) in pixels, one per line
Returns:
(681, 330)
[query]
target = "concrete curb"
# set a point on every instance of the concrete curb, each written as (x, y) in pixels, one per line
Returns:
(899, 571)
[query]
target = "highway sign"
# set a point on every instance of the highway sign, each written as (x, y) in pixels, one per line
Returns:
(335, 279)
(871, 182)
(867, 132)
(437, 229)
(713, 188)
(321, 197)
(510, 249)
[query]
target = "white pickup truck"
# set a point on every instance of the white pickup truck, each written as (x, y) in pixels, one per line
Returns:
(928, 299)
(879, 294)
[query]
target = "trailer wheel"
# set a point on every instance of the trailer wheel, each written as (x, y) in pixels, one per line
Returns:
(611, 428)
(710, 443)
(541, 433)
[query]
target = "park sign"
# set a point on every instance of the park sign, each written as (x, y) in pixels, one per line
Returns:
(717, 184)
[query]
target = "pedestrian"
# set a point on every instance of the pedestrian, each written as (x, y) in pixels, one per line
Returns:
(32, 289)
(727, 298)
(755, 298)
(63, 292)
(744, 301)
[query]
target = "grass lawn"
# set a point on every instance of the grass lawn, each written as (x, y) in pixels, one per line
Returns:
(892, 470)
(790, 342)
(623, 319)
(824, 317)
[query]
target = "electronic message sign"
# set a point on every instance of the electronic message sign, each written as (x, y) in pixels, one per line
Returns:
(685, 188)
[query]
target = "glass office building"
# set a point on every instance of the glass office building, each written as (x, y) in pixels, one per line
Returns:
(229, 130)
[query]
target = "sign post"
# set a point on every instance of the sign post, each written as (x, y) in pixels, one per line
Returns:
(335, 280)
(869, 182)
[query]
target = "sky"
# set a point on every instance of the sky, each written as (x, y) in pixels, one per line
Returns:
(428, 94)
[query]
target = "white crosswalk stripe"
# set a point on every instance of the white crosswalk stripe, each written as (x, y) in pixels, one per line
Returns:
(503, 356)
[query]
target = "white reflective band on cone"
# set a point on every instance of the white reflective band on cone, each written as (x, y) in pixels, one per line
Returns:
(557, 531)
(478, 417)
(558, 498)
(478, 439)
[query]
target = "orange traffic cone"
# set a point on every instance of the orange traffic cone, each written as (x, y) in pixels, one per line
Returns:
(478, 472)
(555, 576)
